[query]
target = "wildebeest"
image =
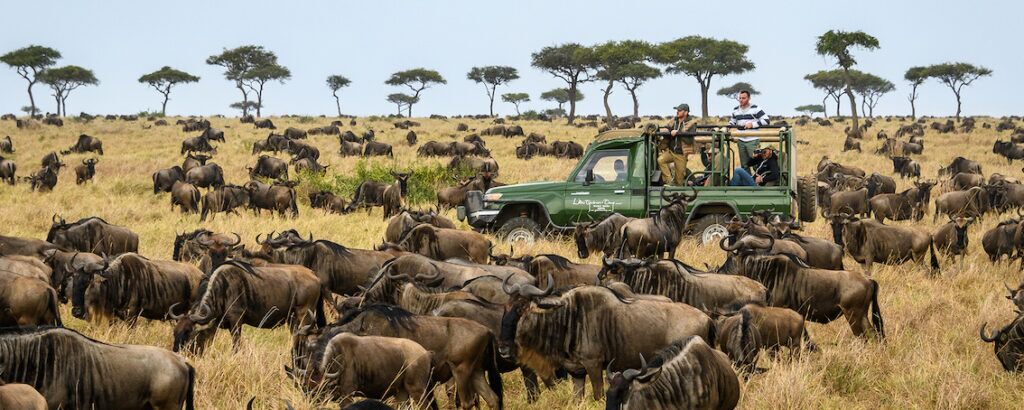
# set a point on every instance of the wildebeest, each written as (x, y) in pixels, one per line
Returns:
(325, 130)
(753, 327)
(545, 332)
(308, 165)
(688, 374)
(350, 149)
(197, 144)
(27, 300)
(1009, 150)
(368, 194)
(475, 164)
(374, 148)
(851, 144)
(164, 179)
(51, 160)
(453, 196)
(410, 137)
(93, 235)
(408, 218)
(1007, 343)
(6, 145)
(193, 161)
(328, 201)
(44, 179)
(75, 372)
(855, 201)
(971, 202)
(827, 168)
(879, 184)
(393, 197)
(819, 295)
(339, 269)
(85, 171)
(205, 176)
(951, 238)
(85, 144)
(441, 244)
(909, 204)
(8, 170)
(225, 198)
(237, 294)
(20, 396)
(265, 123)
(466, 149)
(434, 149)
(15, 245)
(186, 196)
(958, 165)
(869, 241)
(280, 197)
(661, 233)
(193, 124)
(269, 167)
(294, 133)
(299, 149)
(132, 286)
(601, 235)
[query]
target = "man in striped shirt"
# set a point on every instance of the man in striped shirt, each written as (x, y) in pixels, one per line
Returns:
(747, 116)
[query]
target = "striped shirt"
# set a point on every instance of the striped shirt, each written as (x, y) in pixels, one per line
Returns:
(750, 115)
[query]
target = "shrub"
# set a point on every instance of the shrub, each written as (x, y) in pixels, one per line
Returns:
(423, 184)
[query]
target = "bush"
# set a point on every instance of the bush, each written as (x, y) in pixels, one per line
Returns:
(423, 184)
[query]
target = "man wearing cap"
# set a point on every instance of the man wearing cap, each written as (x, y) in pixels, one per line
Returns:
(674, 149)
(747, 116)
(766, 170)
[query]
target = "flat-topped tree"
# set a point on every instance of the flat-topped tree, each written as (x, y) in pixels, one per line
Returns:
(417, 79)
(28, 62)
(63, 80)
(839, 44)
(491, 77)
(733, 91)
(164, 79)
(402, 100)
(704, 58)
(611, 58)
(570, 62)
(635, 75)
(335, 83)
(515, 99)
(560, 96)
(832, 83)
(915, 76)
(956, 76)
(238, 63)
(810, 109)
(871, 88)
(244, 106)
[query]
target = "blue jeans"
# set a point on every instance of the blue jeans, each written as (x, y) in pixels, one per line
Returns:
(741, 177)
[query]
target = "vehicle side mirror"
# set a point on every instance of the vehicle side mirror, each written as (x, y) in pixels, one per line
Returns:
(589, 179)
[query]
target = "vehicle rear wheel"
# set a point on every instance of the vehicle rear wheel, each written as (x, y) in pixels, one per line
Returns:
(519, 229)
(710, 229)
(807, 201)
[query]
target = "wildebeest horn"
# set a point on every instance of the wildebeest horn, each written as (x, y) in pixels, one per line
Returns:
(199, 316)
(170, 312)
(608, 369)
(989, 339)
(509, 290)
(532, 291)
(400, 276)
(721, 244)
(238, 240)
(1009, 291)
(258, 238)
(423, 277)
(630, 374)
(334, 375)
(70, 265)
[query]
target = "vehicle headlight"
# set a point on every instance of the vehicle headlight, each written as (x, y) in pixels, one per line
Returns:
(492, 197)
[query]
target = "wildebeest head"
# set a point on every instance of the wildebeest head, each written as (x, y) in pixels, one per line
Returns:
(217, 248)
(618, 269)
(619, 383)
(403, 181)
(838, 222)
(82, 276)
(57, 229)
(1007, 345)
(960, 225)
(1015, 295)
(522, 296)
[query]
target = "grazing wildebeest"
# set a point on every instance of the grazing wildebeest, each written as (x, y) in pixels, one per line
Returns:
(369, 194)
(85, 144)
(224, 199)
(328, 201)
(339, 269)
(51, 160)
(1007, 343)
(467, 149)
(294, 133)
(753, 327)
(280, 197)
(44, 179)
(688, 374)
(193, 161)
(1002, 239)
(442, 244)
(85, 171)
(132, 286)
(350, 149)
(205, 176)
(567, 149)
(6, 145)
(909, 204)
(602, 235)
(374, 148)
(164, 179)
(325, 130)
(197, 144)
(299, 149)
(545, 332)
(906, 167)
(434, 149)
(394, 195)
(951, 238)
(958, 165)
(660, 234)
(349, 136)
(269, 167)
(265, 123)
(8, 170)
(308, 165)
(193, 124)
(27, 300)
(851, 144)
(971, 202)
(869, 241)
(186, 196)
(237, 294)
(93, 235)
(73, 371)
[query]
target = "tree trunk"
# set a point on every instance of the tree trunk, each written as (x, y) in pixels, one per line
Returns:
(957, 106)
(163, 107)
(31, 100)
(912, 97)
(572, 102)
(245, 98)
(853, 104)
(491, 96)
(64, 105)
(57, 97)
(259, 102)
(704, 98)
(517, 109)
(636, 103)
(824, 108)
(608, 108)
(839, 101)
(337, 103)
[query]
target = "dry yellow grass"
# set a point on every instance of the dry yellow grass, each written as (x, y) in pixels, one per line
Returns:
(932, 357)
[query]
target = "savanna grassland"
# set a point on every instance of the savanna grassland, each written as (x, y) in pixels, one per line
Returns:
(931, 358)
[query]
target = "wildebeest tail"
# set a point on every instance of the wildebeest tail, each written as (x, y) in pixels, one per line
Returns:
(294, 203)
(190, 402)
(712, 333)
(155, 190)
(321, 319)
(54, 308)
(808, 343)
(206, 208)
(935, 260)
(876, 313)
(493, 375)
(195, 200)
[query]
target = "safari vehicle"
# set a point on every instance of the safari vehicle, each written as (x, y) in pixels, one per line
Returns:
(619, 173)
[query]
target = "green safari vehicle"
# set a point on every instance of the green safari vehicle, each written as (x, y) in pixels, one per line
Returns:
(619, 173)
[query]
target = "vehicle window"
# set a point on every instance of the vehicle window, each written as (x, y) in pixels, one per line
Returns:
(608, 166)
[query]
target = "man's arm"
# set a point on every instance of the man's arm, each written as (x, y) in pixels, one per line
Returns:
(760, 119)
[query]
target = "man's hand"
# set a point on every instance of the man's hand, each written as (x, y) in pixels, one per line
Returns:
(757, 179)
(749, 125)
(674, 133)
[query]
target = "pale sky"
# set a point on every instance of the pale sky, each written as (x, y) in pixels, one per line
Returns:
(366, 41)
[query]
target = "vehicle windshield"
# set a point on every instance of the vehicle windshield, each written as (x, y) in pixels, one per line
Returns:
(608, 166)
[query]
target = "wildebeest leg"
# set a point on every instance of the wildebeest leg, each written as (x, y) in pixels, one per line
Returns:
(203, 339)
(579, 386)
(858, 320)
(530, 382)
(595, 371)
(464, 392)
(483, 389)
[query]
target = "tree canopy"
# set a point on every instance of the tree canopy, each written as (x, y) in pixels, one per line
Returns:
(839, 44)
(164, 79)
(810, 109)
(63, 80)
(956, 76)
(402, 100)
(240, 62)
(570, 62)
(335, 83)
(491, 77)
(417, 79)
(614, 59)
(871, 88)
(703, 58)
(915, 76)
(733, 91)
(515, 99)
(829, 81)
(29, 62)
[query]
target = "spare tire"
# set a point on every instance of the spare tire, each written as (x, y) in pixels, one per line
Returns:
(807, 199)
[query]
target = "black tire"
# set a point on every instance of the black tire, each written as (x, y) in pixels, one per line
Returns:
(807, 199)
(519, 229)
(707, 227)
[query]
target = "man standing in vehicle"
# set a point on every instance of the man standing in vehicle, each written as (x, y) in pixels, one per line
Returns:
(747, 116)
(674, 149)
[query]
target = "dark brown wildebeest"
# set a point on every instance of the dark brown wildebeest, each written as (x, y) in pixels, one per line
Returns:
(164, 179)
(15, 245)
(85, 144)
(205, 176)
(367, 366)
(85, 171)
(819, 295)
(543, 267)
(6, 145)
(1007, 343)
(441, 244)
(51, 160)
(350, 149)
(868, 242)
(193, 161)
(455, 275)
(821, 253)
(368, 194)
(192, 124)
(855, 201)
(339, 269)
(299, 149)
(8, 170)
(602, 235)
(878, 184)
(269, 167)
(325, 130)
(410, 138)
(688, 374)
(453, 196)
(374, 148)
(909, 204)
(237, 294)
(743, 333)
(708, 292)
(467, 149)
(92, 234)
(393, 197)
(197, 144)
(186, 196)
(225, 198)
(294, 133)
(851, 144)
(972, 202)
(280, 197)
(566, 149)
(27, 266)
(265, 123)
(827, 168)
(1008, 150)
(529, 149)
(545, 332)
(77, 372)
(951, 238)
(349, 136)
(132, 286)
(660, 234)
(309, 165)
(27, 301)
(1002, 239)
(43, 180)
(513, 131)
(475, 164)
(495, 130)
(408, 218)
(328, 201)
(958, 165)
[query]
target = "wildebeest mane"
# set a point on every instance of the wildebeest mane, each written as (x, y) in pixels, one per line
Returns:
(396, 316)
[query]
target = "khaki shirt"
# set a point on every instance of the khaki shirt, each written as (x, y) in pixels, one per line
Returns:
(679, 144)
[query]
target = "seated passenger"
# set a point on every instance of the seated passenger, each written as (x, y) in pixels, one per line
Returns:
(766, 170)
(620, 170)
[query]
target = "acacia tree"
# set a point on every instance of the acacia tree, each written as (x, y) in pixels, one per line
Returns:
(612, 59)
(515, 99)
(956, 76)
(63, 80)
(335, 83)
(560, 96)
(28, 62)
(916, 77)
(838, 44)
(164, 79)
(238, 65)
(402, 100)
(244, 106)
(733, 91)
(569, 62)
(417, 79)
(832, 83)
(491, 77)
(258, 77)
(633, 76)
(703, 58)
(810, 109)
(871, 88)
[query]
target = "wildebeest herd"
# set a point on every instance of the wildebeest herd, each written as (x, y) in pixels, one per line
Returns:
(434, 314)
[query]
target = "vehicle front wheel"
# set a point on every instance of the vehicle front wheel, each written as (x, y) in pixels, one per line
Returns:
(710, 229)
(519, 229)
